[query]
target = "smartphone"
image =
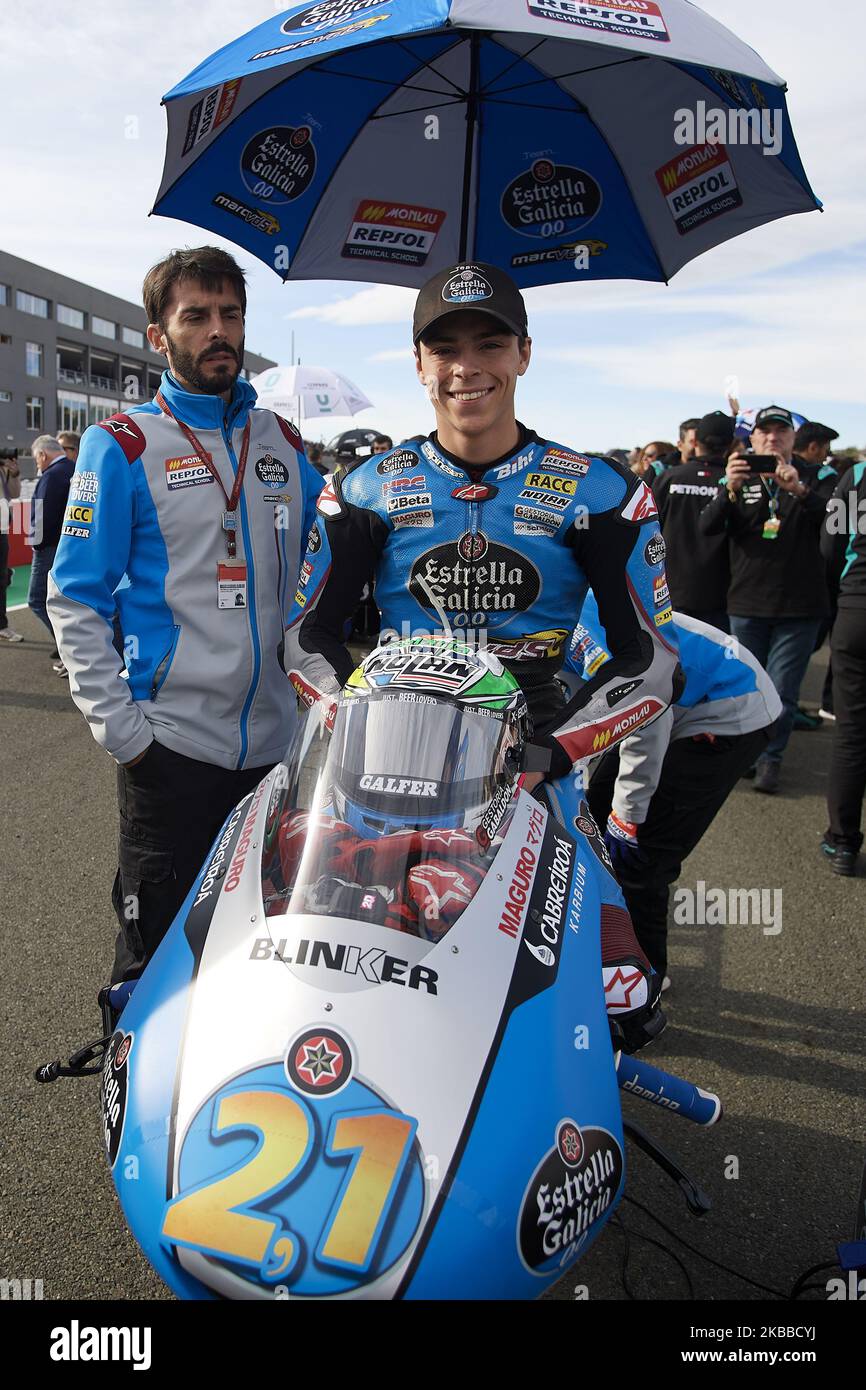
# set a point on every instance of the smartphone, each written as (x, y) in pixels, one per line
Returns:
(760, 465)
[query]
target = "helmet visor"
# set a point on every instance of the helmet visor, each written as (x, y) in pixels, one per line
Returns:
(412, 753)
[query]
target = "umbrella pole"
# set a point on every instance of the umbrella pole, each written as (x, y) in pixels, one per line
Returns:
(471, 127)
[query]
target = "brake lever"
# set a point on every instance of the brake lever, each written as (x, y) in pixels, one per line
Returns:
(696, 1199)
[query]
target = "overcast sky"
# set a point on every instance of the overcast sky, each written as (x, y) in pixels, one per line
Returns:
(615, 363)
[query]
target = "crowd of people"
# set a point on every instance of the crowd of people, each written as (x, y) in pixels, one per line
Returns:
(748, 570)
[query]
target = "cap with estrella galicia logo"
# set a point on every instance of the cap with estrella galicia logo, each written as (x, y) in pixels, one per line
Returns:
(472, 285)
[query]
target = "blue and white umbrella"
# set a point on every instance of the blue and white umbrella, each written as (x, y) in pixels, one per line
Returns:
(308, 393)
(386, 139)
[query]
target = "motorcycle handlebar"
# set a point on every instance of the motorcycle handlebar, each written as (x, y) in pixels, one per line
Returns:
(668, 1092)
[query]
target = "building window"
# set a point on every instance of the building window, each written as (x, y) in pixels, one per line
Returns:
(100, 409)
(5, 396)
(104, 327)
(35, 412)
(31, 304)
(71, 411)
(4, 294)
(5, 338)
(34, 359)
(73, 317)
(132, 337)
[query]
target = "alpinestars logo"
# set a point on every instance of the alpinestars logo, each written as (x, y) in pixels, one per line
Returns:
(640, 506)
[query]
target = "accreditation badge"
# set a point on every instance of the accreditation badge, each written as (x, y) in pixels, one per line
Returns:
(231, 585)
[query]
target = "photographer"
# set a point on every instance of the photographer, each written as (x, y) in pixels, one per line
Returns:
(771, 506)
(10, 488)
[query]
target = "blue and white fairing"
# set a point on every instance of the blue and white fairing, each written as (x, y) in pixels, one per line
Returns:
(309, 1106)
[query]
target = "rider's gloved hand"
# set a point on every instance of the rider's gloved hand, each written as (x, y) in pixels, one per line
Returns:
(626, 855)
(630, 1032)
(632, 989)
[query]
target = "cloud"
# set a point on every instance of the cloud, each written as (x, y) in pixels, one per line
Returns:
(403, 354)
(377, 304)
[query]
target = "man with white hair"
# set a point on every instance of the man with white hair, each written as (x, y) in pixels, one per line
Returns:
(47, 511)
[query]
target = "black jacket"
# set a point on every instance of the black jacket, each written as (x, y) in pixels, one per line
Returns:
(781, 578)
(843, 538)
(696, 565)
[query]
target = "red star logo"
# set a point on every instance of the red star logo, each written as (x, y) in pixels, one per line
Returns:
(619, 988)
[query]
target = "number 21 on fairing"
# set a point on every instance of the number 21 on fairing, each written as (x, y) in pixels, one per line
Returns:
(216, 1217)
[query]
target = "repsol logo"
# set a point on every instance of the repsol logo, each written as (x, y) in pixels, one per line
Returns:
(372, 964)
(518, 893)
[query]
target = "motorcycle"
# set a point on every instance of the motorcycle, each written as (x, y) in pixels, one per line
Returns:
(371, 1057)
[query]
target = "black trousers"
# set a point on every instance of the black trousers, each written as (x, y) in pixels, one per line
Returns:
(847, 784)
(4, 565)
(696, 780)
(171, 808)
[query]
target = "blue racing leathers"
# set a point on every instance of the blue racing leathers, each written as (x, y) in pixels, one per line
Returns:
(505, 560)
(505, 557)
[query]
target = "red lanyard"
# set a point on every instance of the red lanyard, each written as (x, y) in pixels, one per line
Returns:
(207, 459)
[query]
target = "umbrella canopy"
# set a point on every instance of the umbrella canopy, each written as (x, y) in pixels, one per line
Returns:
(387, 139)
(308, 392)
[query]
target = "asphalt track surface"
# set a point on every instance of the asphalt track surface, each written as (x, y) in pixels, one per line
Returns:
(773, 1023)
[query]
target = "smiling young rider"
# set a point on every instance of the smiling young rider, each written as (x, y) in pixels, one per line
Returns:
(494, 531)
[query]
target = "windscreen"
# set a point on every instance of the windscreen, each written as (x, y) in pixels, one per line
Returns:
(388, 809)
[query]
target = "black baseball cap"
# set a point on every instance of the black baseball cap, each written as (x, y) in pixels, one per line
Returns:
(716, 425)
(774, 415)
(814, 432)
(471, 285)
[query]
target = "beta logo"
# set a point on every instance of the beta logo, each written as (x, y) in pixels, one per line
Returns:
(319, 1062)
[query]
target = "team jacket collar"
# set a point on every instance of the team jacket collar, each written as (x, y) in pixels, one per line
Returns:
(209, 412)
(527, 439)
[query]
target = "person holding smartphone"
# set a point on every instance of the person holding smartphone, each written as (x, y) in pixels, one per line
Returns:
(772, 505)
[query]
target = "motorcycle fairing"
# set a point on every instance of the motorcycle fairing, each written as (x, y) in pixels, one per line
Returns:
(447, 1096)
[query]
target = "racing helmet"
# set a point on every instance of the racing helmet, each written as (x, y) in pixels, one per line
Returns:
(428, 732)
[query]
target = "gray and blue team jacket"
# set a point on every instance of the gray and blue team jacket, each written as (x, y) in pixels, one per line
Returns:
(143, 535)
(727, 693)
